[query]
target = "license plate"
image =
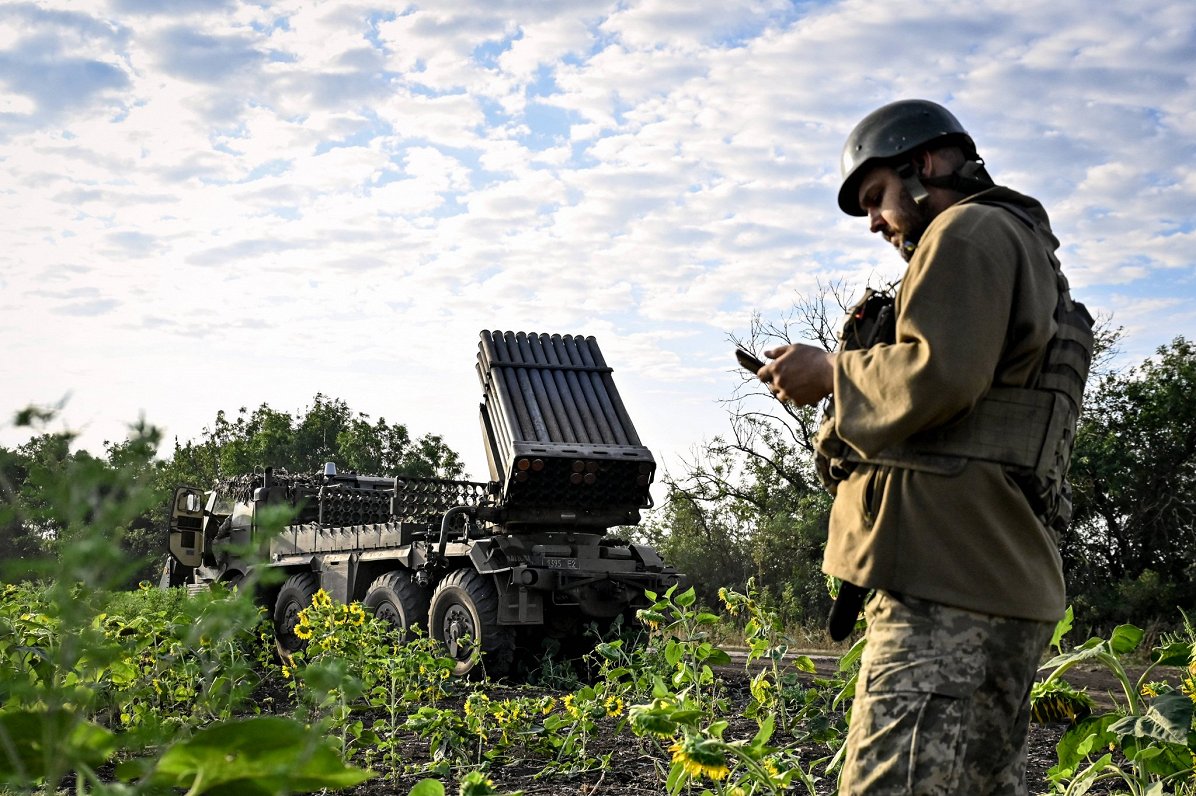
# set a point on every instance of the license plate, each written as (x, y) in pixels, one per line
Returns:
(562, 563)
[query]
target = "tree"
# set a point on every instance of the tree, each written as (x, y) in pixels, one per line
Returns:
(749, 504)
(35, 476)
(328, 431)
(1132, 544)
(19, 543)
(30, 527)
(51, 494)
(135, 461)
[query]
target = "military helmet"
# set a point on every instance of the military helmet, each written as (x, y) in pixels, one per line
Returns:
(886, 134)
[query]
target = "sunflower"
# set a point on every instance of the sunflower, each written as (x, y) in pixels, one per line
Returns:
(1057, 701)
(700, 757)
(1188, 686)
(477, 705)
(303, 628)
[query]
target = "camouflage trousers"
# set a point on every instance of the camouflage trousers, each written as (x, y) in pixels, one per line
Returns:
(943, 701)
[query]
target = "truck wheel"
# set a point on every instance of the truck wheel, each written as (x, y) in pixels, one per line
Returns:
(464, 617)
(394, 597)
(293, 597)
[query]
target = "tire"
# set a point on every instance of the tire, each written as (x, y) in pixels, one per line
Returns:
(293, 597)
(394, 597)
(463, 616)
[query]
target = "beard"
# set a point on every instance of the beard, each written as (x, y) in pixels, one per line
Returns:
(911, 223)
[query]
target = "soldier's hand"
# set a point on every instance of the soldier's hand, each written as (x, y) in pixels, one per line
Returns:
(800, 374)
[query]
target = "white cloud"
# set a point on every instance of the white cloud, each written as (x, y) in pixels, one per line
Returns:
(653, 23)
(543, 44)
(337, 197)
(16, 104)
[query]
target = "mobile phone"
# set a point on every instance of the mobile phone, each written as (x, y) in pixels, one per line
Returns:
(747, 360)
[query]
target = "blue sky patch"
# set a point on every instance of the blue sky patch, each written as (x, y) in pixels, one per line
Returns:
(549, 125)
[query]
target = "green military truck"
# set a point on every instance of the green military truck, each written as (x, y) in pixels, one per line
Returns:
(496, 566)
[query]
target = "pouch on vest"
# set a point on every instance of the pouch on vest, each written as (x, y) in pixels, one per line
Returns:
(870, 321)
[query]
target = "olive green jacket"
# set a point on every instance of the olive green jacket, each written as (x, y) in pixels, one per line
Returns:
(974, 310)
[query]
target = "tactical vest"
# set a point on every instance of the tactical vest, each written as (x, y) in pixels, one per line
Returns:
(1030, 430)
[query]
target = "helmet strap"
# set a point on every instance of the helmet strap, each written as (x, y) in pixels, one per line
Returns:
(968, 179)
(911, 180)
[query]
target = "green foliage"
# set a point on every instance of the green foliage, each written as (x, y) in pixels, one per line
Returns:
(85, 674)
(48, 492)
(36, 521)
(1131, 551)
(1154, 728)
(681, 631)
(691, 716)
(326, 431)
(266, 755)
(699, 751)
(32, 738)
(810, 708)
(671, 684)
(353, 661)
(473, 783)
(174, 663)
(750, 508)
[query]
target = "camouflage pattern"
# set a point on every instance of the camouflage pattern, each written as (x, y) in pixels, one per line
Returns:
(943, 701)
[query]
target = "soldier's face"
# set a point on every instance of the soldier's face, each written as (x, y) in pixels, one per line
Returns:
(892, 211)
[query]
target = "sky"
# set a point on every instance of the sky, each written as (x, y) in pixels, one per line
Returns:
(213, 204)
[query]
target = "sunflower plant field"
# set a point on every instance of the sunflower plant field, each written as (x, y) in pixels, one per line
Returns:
(109, 691)
(157, 692)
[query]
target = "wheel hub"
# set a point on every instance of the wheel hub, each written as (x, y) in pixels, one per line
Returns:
(290, 618)
(390, 613)
(458, 631)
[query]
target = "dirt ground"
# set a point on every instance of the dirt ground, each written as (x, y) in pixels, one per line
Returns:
(638, 769)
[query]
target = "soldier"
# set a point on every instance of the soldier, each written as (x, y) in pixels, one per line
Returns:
(946, 441)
